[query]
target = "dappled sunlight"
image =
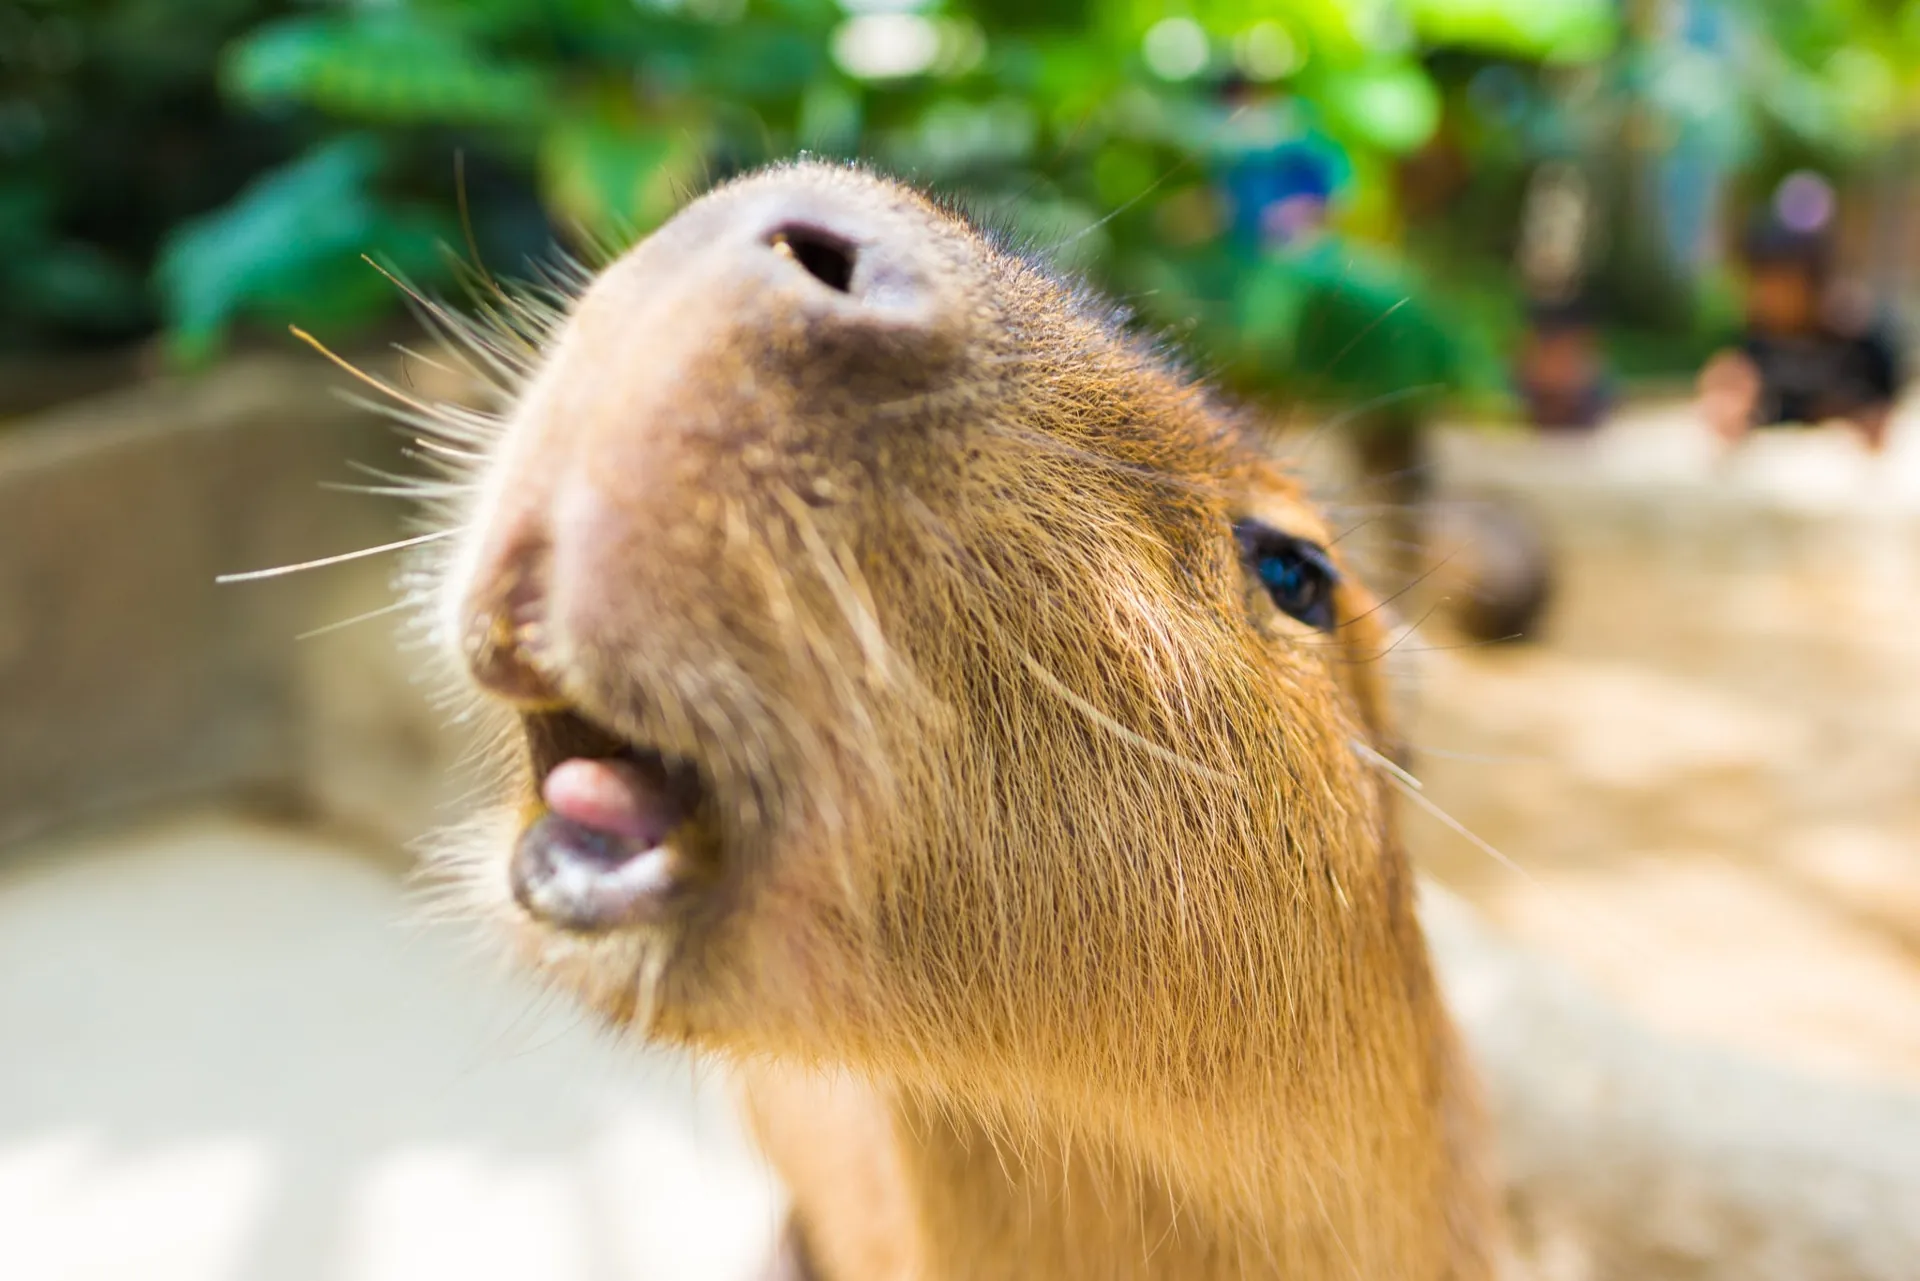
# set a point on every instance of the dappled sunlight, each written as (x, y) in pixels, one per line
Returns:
(248, 1062)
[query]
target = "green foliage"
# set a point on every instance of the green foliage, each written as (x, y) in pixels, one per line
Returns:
(289, 248)
(57, 280)
(1354, 323)
(604, 173)
(1555, 31)
(1389, 104)
(387, 66)
(110, 132)
(1094, 128)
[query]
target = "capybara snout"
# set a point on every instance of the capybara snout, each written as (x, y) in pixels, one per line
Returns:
(665, 566)
(773, 344)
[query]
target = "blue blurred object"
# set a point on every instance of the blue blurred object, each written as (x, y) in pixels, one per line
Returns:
(1262, 185)
(1273, 162)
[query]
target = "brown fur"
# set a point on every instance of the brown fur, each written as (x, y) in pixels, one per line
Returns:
(1054, 916)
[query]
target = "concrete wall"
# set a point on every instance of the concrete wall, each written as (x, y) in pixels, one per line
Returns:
(127, 675)
(1653, 484)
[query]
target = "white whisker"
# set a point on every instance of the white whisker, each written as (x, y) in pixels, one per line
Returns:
(1163, 754)
(253, 574)
(1409, 787)
(1388, 764)
(357, 618)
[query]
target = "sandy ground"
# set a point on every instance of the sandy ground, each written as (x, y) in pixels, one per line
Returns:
(1704, 786)
(229, 1057)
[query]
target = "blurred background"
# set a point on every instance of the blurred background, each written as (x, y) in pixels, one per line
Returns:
(1590, 319)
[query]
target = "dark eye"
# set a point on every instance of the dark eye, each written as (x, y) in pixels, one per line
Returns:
(1297, 574)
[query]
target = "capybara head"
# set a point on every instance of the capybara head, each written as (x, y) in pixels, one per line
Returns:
(912, 672)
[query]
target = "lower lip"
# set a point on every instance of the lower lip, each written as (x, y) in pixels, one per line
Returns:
(588, 881)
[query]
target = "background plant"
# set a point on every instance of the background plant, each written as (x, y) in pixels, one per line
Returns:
(229, 162)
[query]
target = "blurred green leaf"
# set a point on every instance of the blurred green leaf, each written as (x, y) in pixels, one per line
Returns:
(830, 117)
(1392, 105)
(1567, 31)
(384, 66)
(760, 62)
(62, 280)
(614, 179)
(1340, 322)
(289, 248)
(1032, 15)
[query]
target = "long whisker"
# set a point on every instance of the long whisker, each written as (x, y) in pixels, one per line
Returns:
(1449, 649)
(404, 485)
(1460, 829)
(1387, 763)
(433, 428)
(413, 489)
(1325, 428)
(1175, 170)
(1411, 629)
(504, 369)
(1362, 336)
(1386, 601)
(412, 353)
(252, 575)
(392, 608)
(385, 389)
(448, 451)
(1408, 786)
(466, 221)
(936, 528)
(1165, 755)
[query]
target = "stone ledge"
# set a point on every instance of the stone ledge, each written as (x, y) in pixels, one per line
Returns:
(127, 674)
(1652, 482)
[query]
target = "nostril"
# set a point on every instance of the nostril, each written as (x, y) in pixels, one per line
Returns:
(508, 660)
(828, 258)
(503, 635)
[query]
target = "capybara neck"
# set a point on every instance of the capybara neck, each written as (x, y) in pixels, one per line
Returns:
(923, 697)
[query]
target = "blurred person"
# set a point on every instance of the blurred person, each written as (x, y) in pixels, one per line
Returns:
(1560, 372)
(1804, 356)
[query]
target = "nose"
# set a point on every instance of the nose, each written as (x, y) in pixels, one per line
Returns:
(826, 248)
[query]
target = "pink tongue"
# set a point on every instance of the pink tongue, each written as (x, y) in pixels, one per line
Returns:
(612, 796)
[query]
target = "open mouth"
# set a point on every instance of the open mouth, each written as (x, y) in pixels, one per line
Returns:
(610, 845)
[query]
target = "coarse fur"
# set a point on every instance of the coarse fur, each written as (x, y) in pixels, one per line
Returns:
(1047, 904)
